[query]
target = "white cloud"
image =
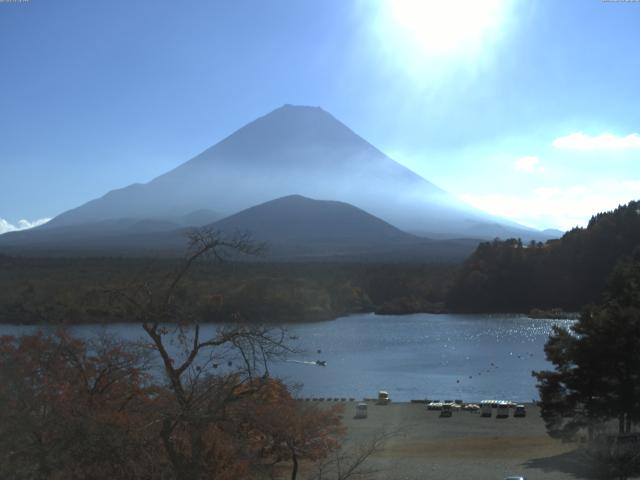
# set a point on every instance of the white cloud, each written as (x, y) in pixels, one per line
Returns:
(528, 164)
(553, 207)
(605, 141)
(21, 225)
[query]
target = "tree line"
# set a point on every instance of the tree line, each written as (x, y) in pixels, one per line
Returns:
(510, 276)
(70, 290)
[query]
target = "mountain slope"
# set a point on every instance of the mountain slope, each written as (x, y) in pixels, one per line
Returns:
(299, 220)
(296, 150)
(292, 228)
(299, 228)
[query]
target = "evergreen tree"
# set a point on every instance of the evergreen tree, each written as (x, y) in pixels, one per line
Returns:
(597, 362)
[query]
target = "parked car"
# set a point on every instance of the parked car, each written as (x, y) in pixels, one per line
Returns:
(446, 411)
(503, 411)
(520, 411)
(383, 397)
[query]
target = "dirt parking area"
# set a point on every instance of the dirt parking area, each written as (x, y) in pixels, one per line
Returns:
(465, 446)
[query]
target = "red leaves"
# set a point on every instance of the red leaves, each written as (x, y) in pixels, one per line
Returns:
(66, 405)
(89, 410)
(281, 428)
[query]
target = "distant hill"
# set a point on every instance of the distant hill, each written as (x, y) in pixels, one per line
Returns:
(566, 273)
(299, 220)
(296, 227)
(553, 232)
(294, 149)
(292, 227)
(112, 236)
(200, 217)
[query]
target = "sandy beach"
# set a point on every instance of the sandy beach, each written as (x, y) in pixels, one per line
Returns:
(465, 445)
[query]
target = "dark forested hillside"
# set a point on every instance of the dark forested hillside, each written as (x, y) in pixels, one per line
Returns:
(501, 276)
(76, 290)
(566, 273)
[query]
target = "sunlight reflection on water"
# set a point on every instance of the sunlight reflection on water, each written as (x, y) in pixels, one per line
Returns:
(471, 357)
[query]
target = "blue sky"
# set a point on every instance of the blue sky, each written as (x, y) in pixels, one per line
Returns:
(528, 110)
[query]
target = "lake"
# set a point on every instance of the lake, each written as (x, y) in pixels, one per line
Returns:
(469, 357)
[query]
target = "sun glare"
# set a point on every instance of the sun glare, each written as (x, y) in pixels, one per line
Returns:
(443, 28)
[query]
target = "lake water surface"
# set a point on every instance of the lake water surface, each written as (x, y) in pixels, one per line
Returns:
(469, 357)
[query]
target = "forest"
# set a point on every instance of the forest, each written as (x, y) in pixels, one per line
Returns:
(558, 276)
(76, 290)
(567, 274)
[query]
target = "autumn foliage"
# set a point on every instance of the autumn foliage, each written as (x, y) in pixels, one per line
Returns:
(106, 409)
(69, 409)
(75, 409)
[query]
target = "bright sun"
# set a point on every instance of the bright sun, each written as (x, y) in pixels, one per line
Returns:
(444, 27)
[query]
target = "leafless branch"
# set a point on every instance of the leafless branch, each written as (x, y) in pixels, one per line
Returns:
(350, 462)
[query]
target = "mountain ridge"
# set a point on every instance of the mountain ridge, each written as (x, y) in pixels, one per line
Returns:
(295, 149)
(293, 227)
(291, 138)
(300, 219)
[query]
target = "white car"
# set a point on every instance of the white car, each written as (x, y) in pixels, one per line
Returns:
(383, 397)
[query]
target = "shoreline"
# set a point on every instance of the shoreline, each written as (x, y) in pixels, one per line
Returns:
(289, 322)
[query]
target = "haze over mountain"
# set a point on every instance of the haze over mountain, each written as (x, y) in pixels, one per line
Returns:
(296, 227)
(292, 228)
(296, 150)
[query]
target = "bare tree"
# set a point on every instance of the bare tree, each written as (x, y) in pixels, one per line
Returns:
(351, 462)
(77, 409)
(214, 381)
(200, 407)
